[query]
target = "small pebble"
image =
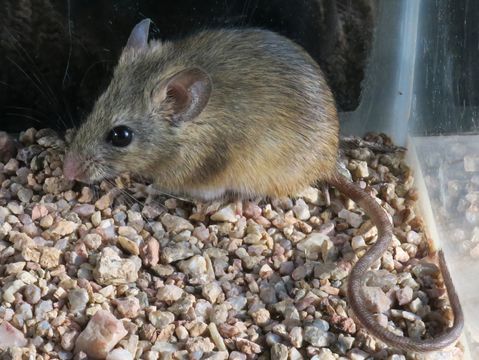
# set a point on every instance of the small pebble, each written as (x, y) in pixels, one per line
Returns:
(194, 266)
(175, 252)
(212, 291)
(150, 252)
(119, 354)
(96, 218)
(64, 227)
(176, 224)
(226, 214)
(15, 208)
(129, 245)
(404, 295)
(25, 195)
(128, 307)
(160, 319)
(32, 294)
(101, 334)
(50, 258)
(296, 336)
(312, 245)
(92, 241)
(78, 299)
(113, 270)
(279, 351)
(169, 293)
(358, 243)
(317, 337)
(351, 218)
(301, 210)
(376, 300)
(84, 210)
(11, 336)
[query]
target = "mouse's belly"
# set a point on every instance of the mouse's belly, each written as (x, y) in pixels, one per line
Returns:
(284, 181)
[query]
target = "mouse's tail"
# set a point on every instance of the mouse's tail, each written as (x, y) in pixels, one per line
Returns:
(356, 279)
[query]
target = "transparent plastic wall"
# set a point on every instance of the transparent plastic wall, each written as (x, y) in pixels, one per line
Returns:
(387, 95)
(422, 89)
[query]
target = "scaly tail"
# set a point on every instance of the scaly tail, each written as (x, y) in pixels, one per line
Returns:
(355, 283)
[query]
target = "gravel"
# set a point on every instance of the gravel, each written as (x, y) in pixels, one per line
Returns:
(87, 273)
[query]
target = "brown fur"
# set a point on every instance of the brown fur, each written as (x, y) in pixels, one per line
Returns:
(270, 126)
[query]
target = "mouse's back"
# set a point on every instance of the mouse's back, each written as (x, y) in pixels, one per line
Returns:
(222, 111)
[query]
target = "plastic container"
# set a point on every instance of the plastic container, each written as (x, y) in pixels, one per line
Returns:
(421, 89)
(447, 176)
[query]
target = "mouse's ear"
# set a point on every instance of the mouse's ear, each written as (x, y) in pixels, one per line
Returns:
(188, 91)
(139, 36)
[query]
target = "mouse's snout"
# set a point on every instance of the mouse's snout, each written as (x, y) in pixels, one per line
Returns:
(71, 167)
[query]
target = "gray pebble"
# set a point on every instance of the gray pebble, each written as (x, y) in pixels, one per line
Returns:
(32, 294)
(42, 309)
(279, 352)
(25, 195)
(317, 337)
(78, 299)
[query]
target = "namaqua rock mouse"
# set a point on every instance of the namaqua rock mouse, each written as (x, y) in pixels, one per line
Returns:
(230, 112)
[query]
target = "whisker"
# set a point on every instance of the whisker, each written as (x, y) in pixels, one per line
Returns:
(70, 45)
(91, 67)
(173, 196)
(133, 199)
(24, 116)
(20, 48)
(25, 108)
(31, 79)
(50, 97)
(70, 49)
(67, 110)
(167, 194)
(37, 86)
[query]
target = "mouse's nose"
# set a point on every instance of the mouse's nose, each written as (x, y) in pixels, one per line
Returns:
(71, 167)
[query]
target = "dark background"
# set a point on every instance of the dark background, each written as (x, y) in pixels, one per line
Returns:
(56, 56)
(447, 68)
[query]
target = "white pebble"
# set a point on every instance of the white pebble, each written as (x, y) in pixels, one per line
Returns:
(101, 335)
(113, 270)
(119, 354)
(10, 336)
(312, 245)
(358, 243)
(301, 210)
(225, 214)
(351, 218)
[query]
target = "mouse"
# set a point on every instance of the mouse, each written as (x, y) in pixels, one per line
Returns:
(231, 112)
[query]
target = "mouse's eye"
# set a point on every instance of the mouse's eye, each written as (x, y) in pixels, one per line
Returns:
(120, 136)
